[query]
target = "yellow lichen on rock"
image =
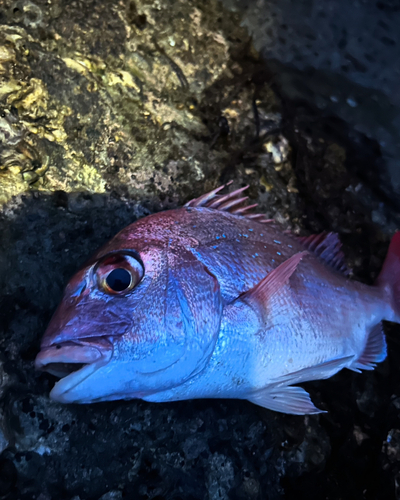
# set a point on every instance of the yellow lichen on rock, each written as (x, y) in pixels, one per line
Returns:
(185, 53)
(111, 107)
(11, 184)
(78, 175)
(30, 114)
(8, 87)
(33, 103)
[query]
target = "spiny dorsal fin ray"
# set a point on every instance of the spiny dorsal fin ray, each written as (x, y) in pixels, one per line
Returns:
(231, 202)
(230, 196)
(327, 246)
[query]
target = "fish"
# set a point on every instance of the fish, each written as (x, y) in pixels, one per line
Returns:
(212, 300)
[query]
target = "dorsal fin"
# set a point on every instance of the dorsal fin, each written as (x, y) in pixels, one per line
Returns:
(327, 246)
(233, 203)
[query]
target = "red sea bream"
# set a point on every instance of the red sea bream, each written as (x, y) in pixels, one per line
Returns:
(211, 301)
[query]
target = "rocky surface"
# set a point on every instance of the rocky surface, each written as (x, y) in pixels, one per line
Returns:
(113, 110)
(341, 58)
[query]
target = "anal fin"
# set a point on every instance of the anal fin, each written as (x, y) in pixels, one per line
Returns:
(286, 399)
(374, 352)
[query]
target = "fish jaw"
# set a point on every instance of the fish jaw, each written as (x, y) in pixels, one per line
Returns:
(74, 362)
(107, 373)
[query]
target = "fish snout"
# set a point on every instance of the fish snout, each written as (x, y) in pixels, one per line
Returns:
(85, 315)
(64, 358)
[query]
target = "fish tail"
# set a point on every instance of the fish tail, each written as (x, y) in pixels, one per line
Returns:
(375, 349)
(389, 277)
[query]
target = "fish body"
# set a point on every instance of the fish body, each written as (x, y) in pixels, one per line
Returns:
(219, 304)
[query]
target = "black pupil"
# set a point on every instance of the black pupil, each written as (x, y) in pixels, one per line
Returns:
(119, 280)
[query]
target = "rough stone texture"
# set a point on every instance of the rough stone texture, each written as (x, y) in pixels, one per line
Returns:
(342, 58)
(110, 111)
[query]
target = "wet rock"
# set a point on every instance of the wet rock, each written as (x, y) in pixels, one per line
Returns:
(8, 477)
(135, 122)
(338, 59)
(112, 495)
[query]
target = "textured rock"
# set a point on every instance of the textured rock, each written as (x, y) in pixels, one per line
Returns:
(341, 58)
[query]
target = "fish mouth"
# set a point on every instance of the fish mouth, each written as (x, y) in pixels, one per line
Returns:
(73, 362)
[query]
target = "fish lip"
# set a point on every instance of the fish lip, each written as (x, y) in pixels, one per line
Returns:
(93, 353)
(80, 351)
(62, 389)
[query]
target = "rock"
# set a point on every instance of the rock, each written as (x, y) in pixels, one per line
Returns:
(337, 59)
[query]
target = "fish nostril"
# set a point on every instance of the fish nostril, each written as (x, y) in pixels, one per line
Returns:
(58, 346)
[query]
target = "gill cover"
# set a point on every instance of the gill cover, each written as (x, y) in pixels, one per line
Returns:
(177, 325)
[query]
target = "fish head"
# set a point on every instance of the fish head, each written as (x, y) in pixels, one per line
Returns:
(141, 317)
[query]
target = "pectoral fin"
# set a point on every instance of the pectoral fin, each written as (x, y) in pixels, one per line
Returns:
(261, 293)
(287, 399)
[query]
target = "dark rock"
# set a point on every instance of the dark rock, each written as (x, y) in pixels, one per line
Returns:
(340, 59)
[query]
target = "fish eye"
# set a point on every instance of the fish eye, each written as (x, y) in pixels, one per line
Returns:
(119, 279)
(117, 274)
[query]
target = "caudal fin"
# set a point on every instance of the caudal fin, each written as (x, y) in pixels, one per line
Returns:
(389, 277)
